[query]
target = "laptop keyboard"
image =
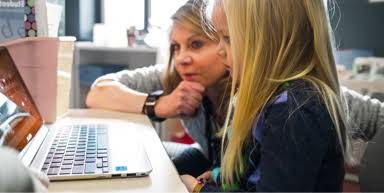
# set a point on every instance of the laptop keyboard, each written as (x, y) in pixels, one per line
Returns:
(78, 149)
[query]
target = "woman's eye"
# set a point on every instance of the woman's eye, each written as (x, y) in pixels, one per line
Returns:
(175, 47)
(227, 39)
(196, 44)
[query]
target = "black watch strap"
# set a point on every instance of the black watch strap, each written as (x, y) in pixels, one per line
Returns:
(149, 106)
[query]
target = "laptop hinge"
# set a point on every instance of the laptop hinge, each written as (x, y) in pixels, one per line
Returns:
(29, 152)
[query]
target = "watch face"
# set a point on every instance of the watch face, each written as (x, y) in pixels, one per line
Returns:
(157, 93)
(150, 103)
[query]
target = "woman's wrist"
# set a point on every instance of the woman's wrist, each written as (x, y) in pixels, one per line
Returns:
(133, 101)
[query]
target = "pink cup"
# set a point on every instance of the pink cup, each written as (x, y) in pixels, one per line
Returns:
(36, 60)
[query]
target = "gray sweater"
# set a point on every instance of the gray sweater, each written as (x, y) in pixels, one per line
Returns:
(366, 114)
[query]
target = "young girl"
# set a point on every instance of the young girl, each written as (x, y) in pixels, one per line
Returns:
(287, 131)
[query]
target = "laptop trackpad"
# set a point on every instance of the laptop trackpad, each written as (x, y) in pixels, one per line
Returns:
(127, 154)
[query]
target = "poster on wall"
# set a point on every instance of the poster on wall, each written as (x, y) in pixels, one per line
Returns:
(17, 19)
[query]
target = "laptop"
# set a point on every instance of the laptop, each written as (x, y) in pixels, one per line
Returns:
(75, 147)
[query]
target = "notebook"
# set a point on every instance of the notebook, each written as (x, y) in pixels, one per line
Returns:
(68, 150)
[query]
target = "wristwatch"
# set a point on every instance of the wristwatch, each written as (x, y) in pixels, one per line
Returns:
(149, 106)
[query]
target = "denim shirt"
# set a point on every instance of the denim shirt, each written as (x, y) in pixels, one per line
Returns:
(293, 146)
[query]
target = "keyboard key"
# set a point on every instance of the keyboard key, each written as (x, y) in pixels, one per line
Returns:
(101, 130)
(45, 166)
(102, 142)
(77, 169)
(69, 154)
(67, 162)
(99, 163)
(90, 168)
(102, 155)
(90, 160)
(66, 167)
(65, 171)
(80, 154)
(105, 159)
(53, 171)
(91, 155)
(55, 165)
(101, 151)
(77, 163)
(47, 161)
(91, 151)
(80, 158)
(69, 157)
(58, 160)
(58, 156)
(105, 164)
(105, 170)
(61, 148)
(60, 152)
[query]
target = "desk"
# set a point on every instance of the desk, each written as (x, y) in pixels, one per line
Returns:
(163, 178)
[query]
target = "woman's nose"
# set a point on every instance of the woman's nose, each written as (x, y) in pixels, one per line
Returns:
(222, 52)
(183, 59)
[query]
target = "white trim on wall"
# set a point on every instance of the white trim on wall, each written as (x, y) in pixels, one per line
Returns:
(376, 1)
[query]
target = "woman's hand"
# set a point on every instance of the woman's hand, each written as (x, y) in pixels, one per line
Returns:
(206, 177)
(189, 181)
(184, 100)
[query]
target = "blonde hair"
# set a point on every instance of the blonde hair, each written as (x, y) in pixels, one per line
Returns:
(272, 42)
(189, 15)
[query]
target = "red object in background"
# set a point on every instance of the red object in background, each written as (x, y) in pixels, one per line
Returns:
(182, 137)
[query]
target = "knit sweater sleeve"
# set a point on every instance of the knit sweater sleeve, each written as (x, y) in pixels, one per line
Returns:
(145, 79)
(366, 115)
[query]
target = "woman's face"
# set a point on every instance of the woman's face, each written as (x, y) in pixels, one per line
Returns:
(196, 57)
(220, 22)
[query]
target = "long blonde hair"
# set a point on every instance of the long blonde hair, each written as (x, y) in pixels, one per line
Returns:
(272, 42)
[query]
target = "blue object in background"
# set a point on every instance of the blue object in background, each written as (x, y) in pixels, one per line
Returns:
(346, 57)
(90, 72)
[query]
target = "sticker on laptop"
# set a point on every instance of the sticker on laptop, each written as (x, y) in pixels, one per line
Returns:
(121, 168)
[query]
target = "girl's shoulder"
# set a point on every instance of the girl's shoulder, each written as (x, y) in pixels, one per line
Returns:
(295, 102)
(296, 94)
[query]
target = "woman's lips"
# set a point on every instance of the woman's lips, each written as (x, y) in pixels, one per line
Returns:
(189, 77)
(227, 67)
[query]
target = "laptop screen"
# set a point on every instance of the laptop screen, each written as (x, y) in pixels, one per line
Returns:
(20, 132)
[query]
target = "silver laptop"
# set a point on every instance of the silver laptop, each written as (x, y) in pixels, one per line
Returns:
(72, 148)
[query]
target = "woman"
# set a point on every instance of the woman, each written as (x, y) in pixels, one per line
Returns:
(287, 132)
(193, 81)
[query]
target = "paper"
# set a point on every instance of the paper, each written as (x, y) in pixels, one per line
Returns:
(17, 19)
